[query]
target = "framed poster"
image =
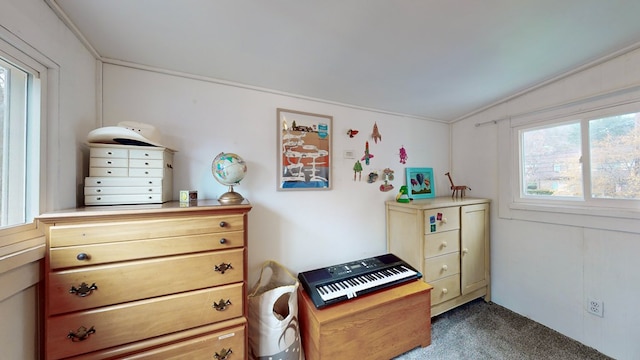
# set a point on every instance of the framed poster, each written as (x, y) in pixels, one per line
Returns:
(420, 183)
(304, 150)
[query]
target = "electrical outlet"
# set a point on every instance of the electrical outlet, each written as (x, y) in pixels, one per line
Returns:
(595, 307)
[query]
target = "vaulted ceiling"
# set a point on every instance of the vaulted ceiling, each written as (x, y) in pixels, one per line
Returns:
(431, 59)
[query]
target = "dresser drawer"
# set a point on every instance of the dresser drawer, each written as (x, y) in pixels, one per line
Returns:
(445, 289)
(107, 152)
(117, 190)
(133, 280)
(121, 324)
(441, 243)
(95, 254)
(146, 172)
(146, 154)
(86, 233)
(121, 182)
(146, 163)
(441, 266)
(123, 199)
(444, 219)
(203, 347)
(109, 171)
(108, 162)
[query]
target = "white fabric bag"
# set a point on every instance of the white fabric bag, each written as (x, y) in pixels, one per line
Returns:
(273, 315)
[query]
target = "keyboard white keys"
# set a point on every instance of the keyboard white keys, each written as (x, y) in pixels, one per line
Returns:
(351, 287)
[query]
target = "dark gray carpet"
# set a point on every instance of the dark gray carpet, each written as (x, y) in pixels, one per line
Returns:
(480, 330)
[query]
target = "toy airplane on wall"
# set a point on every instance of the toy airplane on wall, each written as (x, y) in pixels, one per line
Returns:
(367, 154)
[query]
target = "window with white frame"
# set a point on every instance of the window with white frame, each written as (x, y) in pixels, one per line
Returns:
(19, 140)
(592, 160)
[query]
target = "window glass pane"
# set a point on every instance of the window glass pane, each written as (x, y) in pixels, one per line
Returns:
(551, 161)
(13, 140)
(615, 157)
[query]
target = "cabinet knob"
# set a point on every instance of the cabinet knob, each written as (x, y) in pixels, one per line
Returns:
(465, 250)
(223, 267)
(221, 305)
(223, 354)
(223, 223)
(444, 244)
(445, 268)
(444, 220)
(81, 334)
(83, 257)
(444, 290)
(223, 240)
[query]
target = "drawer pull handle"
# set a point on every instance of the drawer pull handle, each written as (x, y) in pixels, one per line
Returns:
(81, 334)
(223, 267)
(444, 220)
(223, 223)
(445, 268)
(224, 354)
(444, 291)
(444, 244)
(221, 305)
(223, 240)
(83, 257)
(83, 290)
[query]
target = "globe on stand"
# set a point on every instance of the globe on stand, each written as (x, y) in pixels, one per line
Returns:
(228, 169)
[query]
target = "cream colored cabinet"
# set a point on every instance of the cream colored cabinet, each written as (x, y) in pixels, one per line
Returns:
(154, 281)
(447, 240)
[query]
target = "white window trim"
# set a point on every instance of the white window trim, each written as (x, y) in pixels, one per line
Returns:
(511, 206)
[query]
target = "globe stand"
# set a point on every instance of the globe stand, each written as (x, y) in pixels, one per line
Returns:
(230, 197)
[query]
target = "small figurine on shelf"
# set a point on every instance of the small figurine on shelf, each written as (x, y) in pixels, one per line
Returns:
(403, 195)
(457, 189)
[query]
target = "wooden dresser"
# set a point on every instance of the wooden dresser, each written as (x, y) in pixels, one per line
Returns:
(447, 239)
(146, 282)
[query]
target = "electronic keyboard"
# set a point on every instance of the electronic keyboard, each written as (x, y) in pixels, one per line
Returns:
(334, 284)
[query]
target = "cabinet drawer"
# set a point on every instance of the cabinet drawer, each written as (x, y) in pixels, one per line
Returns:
(121, 324)
(66, 235)
(146, 172)
(104, 171)
(122, 199)
(126, 190)
(203, 347)
(441, 266)
(106, 152)
(121, 182)
(443, 219)
(108, 162)
(146, 154)
(83, 255)
(146, 163)
(445, 289)
(133, 280)
(441, 243)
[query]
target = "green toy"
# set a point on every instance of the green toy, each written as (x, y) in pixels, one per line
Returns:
(403, 195)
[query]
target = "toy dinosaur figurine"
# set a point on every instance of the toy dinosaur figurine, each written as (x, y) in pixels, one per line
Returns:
(457, 189)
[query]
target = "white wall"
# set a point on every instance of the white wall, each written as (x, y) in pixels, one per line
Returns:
(35, 29)
(546, 271)
(300, 229)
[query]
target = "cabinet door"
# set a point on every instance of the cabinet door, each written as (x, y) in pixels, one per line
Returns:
(474, 237)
